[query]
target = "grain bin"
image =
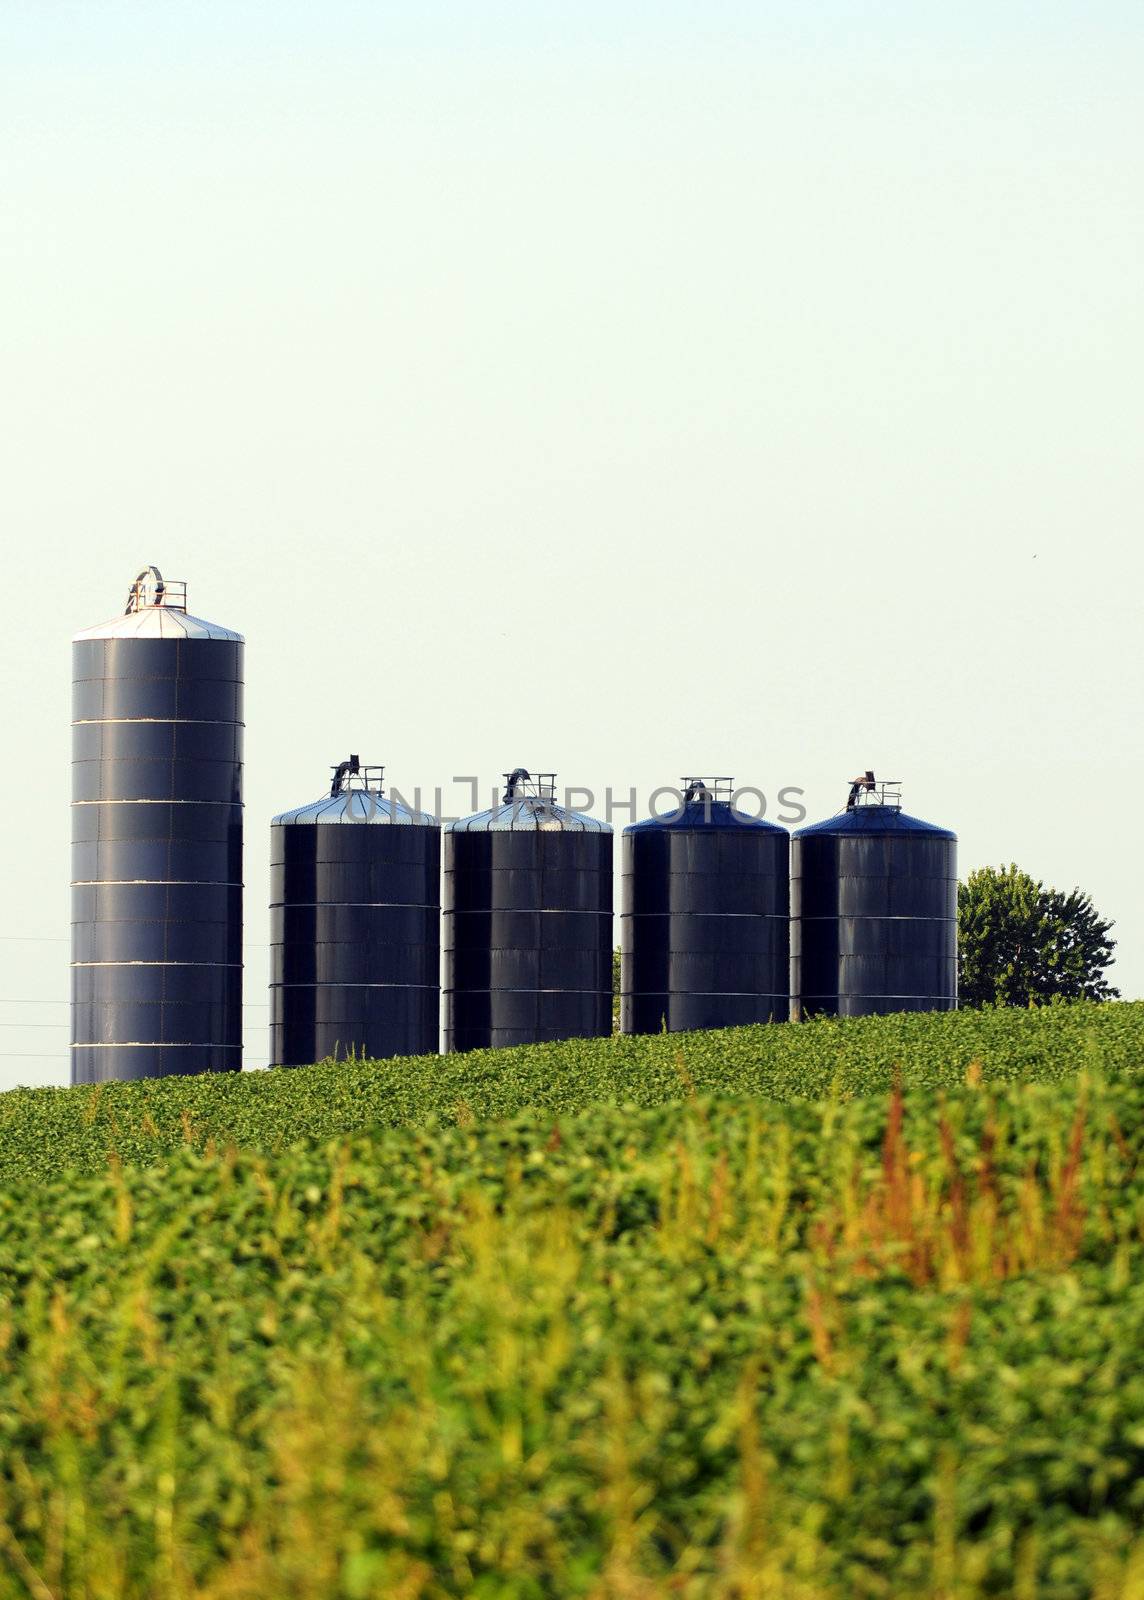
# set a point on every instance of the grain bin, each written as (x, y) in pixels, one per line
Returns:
(156, 841)
(527, 921)
(704, 928)
(873, 910)
(355, 924)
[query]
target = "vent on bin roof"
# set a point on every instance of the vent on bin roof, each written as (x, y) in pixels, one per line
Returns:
(866, 791)
(357, 794)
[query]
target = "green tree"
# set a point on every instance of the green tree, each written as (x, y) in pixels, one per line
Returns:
(616, 990)
(1020, 944)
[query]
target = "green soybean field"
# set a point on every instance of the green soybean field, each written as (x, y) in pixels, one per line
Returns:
(46, 1131)
(831, 1310)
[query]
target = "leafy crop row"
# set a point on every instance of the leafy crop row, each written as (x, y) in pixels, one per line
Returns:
(44, 1131)
(725, 1349)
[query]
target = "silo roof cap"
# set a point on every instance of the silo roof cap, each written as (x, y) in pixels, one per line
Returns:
(159, 622)
(866, 820)
(529, 815)
(357, 806)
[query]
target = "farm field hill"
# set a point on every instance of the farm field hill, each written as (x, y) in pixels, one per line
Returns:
(48, 1130)
(843, 1309)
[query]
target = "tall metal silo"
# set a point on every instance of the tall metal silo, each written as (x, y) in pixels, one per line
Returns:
(704, 930)
(527, 921)
(873, 910)
(156, 841)
(355, 925)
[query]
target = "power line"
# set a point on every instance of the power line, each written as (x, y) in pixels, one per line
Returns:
(60, 938)
(35, 1055)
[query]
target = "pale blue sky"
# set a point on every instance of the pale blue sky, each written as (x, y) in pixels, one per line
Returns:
(624, 389)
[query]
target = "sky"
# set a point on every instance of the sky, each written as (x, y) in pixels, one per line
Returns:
(626, 390)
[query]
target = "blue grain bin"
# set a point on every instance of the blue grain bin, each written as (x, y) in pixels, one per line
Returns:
(156, 841)
(704, 929)
(355, 925)
(873, 910)
(527, 921)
